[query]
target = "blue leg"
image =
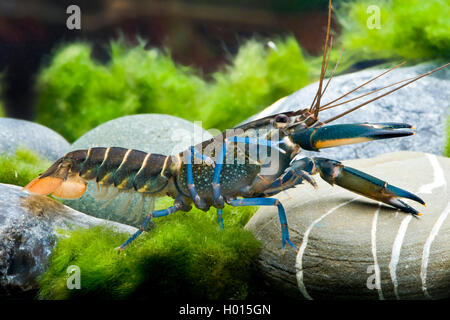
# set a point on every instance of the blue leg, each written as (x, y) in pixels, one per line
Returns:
(290, 178)
(217, 197)
(154, 214)
(220, 219)
(199, 202)
(269, 202)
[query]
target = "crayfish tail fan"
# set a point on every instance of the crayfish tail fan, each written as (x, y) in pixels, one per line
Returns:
(59, 180)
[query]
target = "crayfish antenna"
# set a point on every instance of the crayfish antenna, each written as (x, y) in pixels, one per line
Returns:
(327, 106)
(315, 106)
(334, 70)
(386, 93)
(362, 85)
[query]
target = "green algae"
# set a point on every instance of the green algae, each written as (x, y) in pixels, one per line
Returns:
(21, 167)
(184, 256)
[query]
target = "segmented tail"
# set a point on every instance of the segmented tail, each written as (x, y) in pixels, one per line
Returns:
(124, 169)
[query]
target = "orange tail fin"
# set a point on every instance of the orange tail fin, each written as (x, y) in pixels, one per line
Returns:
(58, 181)
(71, 188)
(44, 185)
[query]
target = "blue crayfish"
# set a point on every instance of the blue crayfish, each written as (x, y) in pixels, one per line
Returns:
(245, 166)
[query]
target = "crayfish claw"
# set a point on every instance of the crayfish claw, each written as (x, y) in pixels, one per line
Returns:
(304, 175)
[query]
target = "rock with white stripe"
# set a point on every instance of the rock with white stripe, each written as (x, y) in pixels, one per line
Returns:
(352, 247)
(154, 133)
(30, 225)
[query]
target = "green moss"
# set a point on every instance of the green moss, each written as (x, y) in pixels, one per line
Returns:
(185, 256)
(257, 77)
(22, 167)
(77, 93)
(411, 29)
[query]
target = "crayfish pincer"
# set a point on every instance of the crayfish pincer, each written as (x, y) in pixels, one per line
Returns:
(245, 166)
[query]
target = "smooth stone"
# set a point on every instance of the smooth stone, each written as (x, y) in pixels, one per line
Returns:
(425, 104)
(30, 226)
(346, 242)
(154, 133)
(16, 133)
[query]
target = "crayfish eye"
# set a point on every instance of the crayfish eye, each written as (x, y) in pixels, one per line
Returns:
(281, 120)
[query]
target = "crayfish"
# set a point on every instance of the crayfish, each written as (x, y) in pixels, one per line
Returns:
(245, 166)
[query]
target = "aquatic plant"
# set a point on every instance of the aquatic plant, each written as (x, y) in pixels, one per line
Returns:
(77, 93)
(185, 256)
(137, 80)
(22, 167)
(258, 76)
(410, 29)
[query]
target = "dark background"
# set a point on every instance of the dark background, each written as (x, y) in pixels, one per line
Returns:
(201, 33)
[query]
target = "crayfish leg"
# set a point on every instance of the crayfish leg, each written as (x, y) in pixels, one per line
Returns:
(178, 205)
(281, 214)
